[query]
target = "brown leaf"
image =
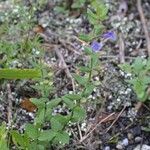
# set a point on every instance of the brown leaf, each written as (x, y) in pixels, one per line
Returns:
(104, 115)
(38, 29)
(28, 105)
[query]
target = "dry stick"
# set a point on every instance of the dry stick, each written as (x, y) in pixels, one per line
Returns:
(79, 130)
(144, 25)
(9, 107)
(60, 56)
(103, 120)
(116, 119)
(121, 49)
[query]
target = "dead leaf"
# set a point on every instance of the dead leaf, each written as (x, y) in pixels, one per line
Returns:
(105, 115)
(38, 29)
(28, 105)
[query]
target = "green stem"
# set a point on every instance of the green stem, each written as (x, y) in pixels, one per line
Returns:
(89, 77)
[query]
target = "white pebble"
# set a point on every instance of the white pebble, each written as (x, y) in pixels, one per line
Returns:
(107, 148)
(119, 146)
(125, 142)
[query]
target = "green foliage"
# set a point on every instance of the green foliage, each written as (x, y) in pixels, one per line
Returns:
(48, 128)
(3, 137)
(20, 140)
(96, 14)
(140, 80)
(78, 4)
(78, 114)
(47, 135)
(19, 73)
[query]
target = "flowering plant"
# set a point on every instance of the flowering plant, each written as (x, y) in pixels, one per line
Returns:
(97, 46)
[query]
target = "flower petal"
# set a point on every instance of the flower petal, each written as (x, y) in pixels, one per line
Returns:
(96, 46)
(110, 36)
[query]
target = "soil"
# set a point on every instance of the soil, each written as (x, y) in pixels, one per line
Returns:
(125, 128)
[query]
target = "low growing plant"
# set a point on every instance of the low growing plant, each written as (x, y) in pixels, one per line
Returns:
(49, 129)
(140, 77)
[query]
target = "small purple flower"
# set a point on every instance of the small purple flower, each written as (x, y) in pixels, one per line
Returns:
(96, 46)
(110, 36)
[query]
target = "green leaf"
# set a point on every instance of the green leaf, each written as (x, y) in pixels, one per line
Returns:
(101, 9)
(3, 144)
(19, 139)
(60, 9)
(98, 29)
(63, 120)
(48, 114)
(84, 69)
(85, 37)
(89, 89)
(138, 65)
(68, 102)
(88, 51)
(3, 135)
(148, 65)
(139, 89)
(73, 96)
(132, 81)
(40, 147)
(94, 60)
(78, 4)
(62, 137)
(81, 80)
(126, 67)
(146, 129)
(101, 12)
(19, 73)
(56, 124)
(40, 103)
(145, 79)
(31, 131)
(40, 116)
(46, 135)
(53, 103)
(92, 17)
(35, 146)
(79, 114)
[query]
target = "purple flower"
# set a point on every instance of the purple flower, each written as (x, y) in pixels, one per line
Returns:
(110, 36)
(96, 46)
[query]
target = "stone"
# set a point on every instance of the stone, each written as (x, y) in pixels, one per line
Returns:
(125, 142)
(130, 136)
(138, 139)
(144, 147)
(107, 148)
(119, 146)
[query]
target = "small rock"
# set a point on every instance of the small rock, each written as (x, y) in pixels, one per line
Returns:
(125, 142)
(138, 139)
(144, 147)
(119, 146)
(136, 131)
(130, 136)
(107, 148)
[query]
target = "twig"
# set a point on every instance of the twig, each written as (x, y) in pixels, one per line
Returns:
(60, 56)
(9, 107)
(116, 119)
(144, 25)
(69, 46)
(138, 106)
(74, 134)
(79, 129)
(103, 120)
(121, 49)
